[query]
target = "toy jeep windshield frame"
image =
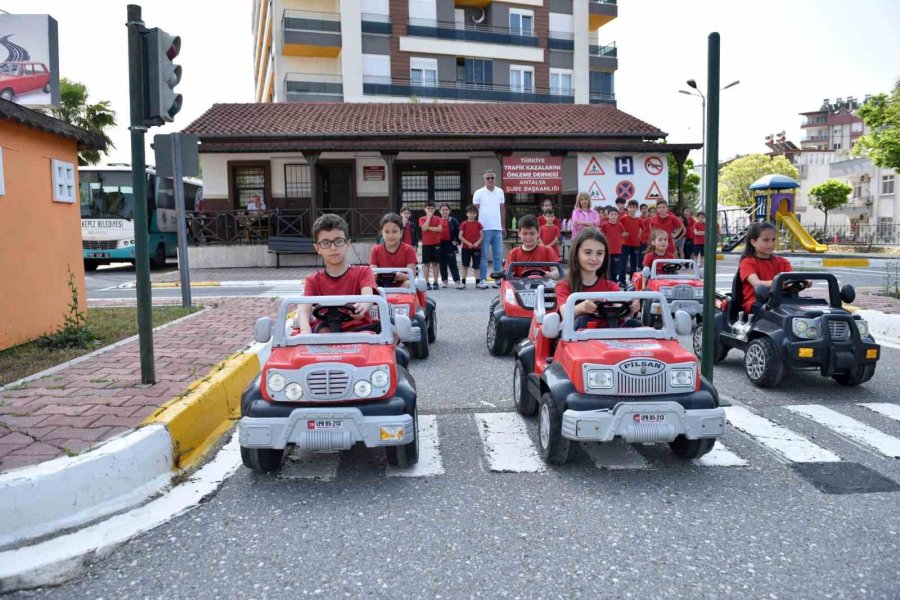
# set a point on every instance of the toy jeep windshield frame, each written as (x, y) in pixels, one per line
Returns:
(668, 331)
(416, 285)
(693, 274)
(777, 297)
(508, 272)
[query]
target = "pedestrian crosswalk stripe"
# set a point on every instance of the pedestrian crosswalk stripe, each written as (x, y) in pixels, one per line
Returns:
(891, 411)
(507, 445)
(430, 462)
(721, 456)
(850, 428)
(615, 456)
(792, 446)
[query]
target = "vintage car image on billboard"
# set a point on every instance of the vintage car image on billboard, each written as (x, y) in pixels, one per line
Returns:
(29, 60)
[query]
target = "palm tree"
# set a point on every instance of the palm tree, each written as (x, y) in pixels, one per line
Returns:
(75, 110)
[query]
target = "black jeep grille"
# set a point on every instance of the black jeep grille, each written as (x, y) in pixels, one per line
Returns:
(328, 383)
(839, 330)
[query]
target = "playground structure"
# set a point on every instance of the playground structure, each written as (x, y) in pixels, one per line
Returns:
(775, 199)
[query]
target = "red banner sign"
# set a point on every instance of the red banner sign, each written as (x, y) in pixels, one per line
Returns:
(532, 174)
(373, 173)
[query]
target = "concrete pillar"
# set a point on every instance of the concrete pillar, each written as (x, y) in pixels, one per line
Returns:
(581, 60)
(351, 50)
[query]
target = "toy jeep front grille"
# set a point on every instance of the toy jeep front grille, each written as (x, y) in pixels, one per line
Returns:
(527, 299)
(328, 383)
(642, 385)
(683, 292)
(839, 330)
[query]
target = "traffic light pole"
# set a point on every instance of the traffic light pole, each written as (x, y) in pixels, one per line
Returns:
(139, 187)
(711, 193)
(178, 190)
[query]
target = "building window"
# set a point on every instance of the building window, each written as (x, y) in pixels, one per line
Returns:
(376, 68)
(474, 72)
(2, 185)
(885, 229)
(836, 146)
(521, 22)
(246, 182)
(602, 84)
(521, 79)
(374, 7)
(887, 184)
(561, 82)
(297, 182)
(561, 25)
(423, 72)
(63, 181)
(441, 183)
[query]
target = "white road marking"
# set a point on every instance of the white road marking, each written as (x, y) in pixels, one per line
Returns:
(282, 291)
(486, 403)
(430, 462)
(851, 428)
(615, 456)
(891, 411)
(300, 464)
(720, 456)
(792, 446)
(507, 445)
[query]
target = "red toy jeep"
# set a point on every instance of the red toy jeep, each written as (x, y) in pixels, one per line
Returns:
(17, 78)
(325, 392)
(597, 384)
(679, 280)
(405, 301)
(512, 309)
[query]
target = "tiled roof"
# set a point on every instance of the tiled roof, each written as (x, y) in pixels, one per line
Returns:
(31, 118)
(315, 120)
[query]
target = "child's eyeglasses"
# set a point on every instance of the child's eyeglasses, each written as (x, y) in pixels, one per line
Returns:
(337, 243)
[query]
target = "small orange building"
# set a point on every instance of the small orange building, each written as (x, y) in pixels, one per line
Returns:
(40, 222)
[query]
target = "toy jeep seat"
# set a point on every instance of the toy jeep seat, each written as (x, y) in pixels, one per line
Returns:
(736, 304)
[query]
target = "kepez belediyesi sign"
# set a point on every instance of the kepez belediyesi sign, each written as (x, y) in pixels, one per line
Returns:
(532, 174)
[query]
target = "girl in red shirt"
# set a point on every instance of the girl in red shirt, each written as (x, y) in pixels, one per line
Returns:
(588, 272)
(659, 248)
(392, 253)
(759, 265)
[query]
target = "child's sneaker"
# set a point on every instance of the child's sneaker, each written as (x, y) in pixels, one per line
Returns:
(460, 286)
(482, 285)
(444, 284)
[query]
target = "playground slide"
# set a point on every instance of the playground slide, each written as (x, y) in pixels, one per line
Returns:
(797, 230)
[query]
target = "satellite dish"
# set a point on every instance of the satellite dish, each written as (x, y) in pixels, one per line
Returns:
(478, 19)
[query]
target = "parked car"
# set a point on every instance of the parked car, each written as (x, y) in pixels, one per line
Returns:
(17, 78)
(679, 280)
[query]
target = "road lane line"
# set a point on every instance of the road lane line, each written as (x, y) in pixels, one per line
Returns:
(891, 411)
(430, 462)
(615, 456)
(850, 428)
(507, 445)
(792, 446)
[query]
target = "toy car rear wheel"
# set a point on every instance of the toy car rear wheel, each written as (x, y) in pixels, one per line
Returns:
(691, 449)
(862, 375)
(526, 405)
(420, 349)
(555, 449)
(719, 352)
(262, 460)
(406, 455)
(496, 345)
(47, 89)
(6, 94)
(431, 327)
(763, 363)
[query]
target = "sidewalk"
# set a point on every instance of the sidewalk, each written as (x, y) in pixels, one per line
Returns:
(248, 274)
(92, 401)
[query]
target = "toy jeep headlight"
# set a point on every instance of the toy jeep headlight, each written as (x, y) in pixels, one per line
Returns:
(362, 388)
(510, 296)
(600, 379)
(380, 379)
(275, 382)
(666, 290)
(698, 293)
(681, 377)
(293, 391)
(863, 327)
(805, 328)
(400, 309)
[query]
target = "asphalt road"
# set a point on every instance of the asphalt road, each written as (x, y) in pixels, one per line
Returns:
(672, 528)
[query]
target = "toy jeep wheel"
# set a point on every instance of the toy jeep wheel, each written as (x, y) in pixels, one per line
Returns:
(691, 449)
(431, 327)
(495, 344)
(555, 449)
(406, 455)
(525, 403)
(862, 375)
(719, 351)
(763, 363)
(420, 348)
(262, 460)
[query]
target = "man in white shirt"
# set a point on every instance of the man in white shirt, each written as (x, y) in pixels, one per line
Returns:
(255, 204)
(492, 216)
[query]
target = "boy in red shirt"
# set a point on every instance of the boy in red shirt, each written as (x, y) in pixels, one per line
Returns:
(659, 248)
(470, 236)
(668, 223)
(631, 245)
(530, 250)
(615, 236)
(410, 231)
(549, 236)
(699, 238)
(332, 239)
(431, 228)
(546, 205)
(645, 229)
(392, 253)
(759, 265)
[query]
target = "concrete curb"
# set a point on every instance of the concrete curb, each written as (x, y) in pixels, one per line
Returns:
(125, 472)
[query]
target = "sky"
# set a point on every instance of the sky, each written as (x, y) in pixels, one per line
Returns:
(787, 54)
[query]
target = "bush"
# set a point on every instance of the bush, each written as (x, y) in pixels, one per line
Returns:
(74, 332)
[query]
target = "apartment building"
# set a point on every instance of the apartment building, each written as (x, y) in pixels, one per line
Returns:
(833, 127)
(545, 51)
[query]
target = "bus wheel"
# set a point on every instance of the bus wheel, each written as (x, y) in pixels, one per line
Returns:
(158, 260)
(91, 265)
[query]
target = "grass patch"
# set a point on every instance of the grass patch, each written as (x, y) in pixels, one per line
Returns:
(109, 325)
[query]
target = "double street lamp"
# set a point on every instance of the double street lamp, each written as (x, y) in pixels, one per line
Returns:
(693, 84)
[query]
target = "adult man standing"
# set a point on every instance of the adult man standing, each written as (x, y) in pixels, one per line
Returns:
(492, 216)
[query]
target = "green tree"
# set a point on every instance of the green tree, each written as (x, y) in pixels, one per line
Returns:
(737, 176)
(881, 114)
(829, 195)
(691, 183)
(74, 109)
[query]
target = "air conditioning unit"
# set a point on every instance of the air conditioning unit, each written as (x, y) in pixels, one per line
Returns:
(865, 178)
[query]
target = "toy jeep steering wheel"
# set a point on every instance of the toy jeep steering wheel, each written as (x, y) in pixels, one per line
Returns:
(386, 279)
(671, 268)
(611, 310)
(793, 287)
(534, 273)
(334, 315)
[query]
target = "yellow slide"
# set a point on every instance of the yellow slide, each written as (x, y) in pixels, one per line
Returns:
(797, 230)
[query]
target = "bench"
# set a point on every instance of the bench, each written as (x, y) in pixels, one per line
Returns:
(289, 244)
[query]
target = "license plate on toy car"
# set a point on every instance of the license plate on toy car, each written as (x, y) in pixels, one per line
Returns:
(324, 424)
(649, 417)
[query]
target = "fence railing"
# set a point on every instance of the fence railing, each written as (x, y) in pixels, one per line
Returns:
(868, 234)
(241, 227)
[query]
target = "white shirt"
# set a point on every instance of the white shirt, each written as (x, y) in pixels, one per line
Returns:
(488, 203)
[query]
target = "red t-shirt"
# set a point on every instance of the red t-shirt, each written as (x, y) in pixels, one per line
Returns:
(651, 256)
(613, 233)
(602, 285)
(548, 234)
(542, 220)
(351, 283)
(538, 254)
(699, 233)
(632, 226)
(431, 238)
(445, 230)
(670, 224)
(404, 256)
(407, 234)
(764, 268)
(471, 231)
(645, 230)
(689, 228)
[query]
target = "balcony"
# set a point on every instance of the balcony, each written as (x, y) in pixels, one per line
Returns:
(446, 90)
(561, 40)
(819, 122)
(313, 87)
(814, 138)
(308, 33)
(604, 57)
(601, 12)
(601, 98)
(380, 24)
(468, 32)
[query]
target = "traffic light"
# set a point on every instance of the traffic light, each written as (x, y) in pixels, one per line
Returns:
(161, 75)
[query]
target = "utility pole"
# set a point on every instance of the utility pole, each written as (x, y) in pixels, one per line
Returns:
(711, 195)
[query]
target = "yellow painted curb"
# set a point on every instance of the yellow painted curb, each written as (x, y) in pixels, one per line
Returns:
(850, 308)
(845, 262)
(720, 257)
(165, 284)
(196, 419)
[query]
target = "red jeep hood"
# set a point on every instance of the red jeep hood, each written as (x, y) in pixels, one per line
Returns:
(612, 352)
(358, 355)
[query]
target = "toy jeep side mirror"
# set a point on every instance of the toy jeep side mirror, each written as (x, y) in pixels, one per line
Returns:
(498, 275)
(263, 330)
(403, 326)
(550, 325)
(421, 284)
(682, 323)
(645, 273)
(762, 292)
(848, 294)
